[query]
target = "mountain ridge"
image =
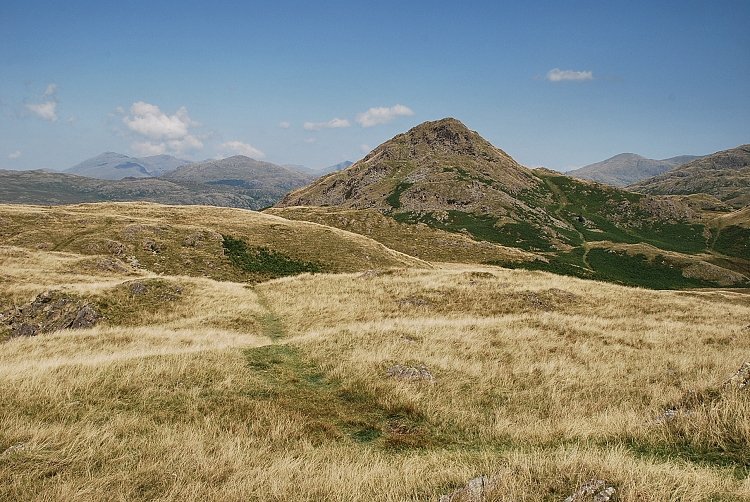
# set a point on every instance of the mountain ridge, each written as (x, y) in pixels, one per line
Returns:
(625, 169)
(116, 166)
(724, 174)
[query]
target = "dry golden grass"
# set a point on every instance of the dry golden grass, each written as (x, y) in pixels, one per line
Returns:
(186, 239)
(415, 240)
(279, 391)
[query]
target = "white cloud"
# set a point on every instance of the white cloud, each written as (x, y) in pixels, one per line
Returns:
(364, 148)
(162, 132)
(148, 120)
(243, 149)
(145, 148)
(50, 91)
(14, 155)
(285, 125)
(47, 109)
(309, 140)
(335, 123)
(383, 115)
(558, 75)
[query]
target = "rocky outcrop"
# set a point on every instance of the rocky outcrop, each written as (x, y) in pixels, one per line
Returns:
(50, 311)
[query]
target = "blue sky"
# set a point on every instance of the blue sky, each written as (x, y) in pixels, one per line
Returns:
(558, 84)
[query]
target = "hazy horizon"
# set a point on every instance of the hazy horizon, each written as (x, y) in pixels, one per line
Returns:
(552, 85)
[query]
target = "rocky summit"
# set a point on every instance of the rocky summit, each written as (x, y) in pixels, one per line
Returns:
(432, 167)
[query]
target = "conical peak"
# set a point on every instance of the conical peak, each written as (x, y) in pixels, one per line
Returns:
(442, 137)
(446, 130)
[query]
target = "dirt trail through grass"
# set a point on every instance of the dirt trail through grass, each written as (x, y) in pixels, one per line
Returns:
(273, 327)
(558, 212)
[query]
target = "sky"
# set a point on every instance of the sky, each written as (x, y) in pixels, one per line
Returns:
(554, 84)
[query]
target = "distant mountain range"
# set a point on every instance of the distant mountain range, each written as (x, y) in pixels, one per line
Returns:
(240, 173)
(233, 182)
(628, 168)
(725, 175)
(116, 166)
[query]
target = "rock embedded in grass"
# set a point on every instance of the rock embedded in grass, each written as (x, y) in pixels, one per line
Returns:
(50, 311)
(410, 373)
(595, 490)
(741, 379)
(475, 490)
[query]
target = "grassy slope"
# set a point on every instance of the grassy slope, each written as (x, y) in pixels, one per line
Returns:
(279, 391)
(188, 239)
(421, 241)
(585, 216)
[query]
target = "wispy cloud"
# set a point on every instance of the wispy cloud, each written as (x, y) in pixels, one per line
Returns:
(47, 108)
(558, 75)
(285, 125)
(335, 123)
(383, 115)
(14, 155)
(364, 148)
(160, 132)
(242, 149)
(50, 91)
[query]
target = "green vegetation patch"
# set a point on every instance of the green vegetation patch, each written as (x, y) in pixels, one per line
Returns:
(263, 261)
(331, 410)
(570, 263)
(638, 270)
(734, 241)
(614, 266)
(394, 199)
(680, 237)
(592, 198)
(483, 228)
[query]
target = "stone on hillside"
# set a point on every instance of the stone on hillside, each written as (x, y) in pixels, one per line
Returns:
(741, 379)
(474, 491)
(85, 318)
(410, 373)
(137, 288)
(50, 311)
(595, 490)
(151, 246)
(24, 329)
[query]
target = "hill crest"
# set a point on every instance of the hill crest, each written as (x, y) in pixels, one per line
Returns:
(430, 167)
